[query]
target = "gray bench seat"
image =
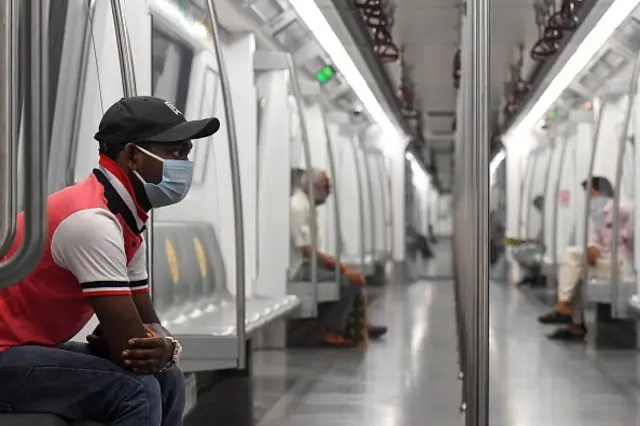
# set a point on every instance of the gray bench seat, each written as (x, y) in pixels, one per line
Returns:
(599, 290)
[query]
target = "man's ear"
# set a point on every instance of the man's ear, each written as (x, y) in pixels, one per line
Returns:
(132, 156)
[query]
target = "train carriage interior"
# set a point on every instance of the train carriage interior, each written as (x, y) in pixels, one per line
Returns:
(457, 176)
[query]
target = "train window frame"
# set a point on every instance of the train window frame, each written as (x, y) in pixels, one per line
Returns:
(187, 56)
(200, 159)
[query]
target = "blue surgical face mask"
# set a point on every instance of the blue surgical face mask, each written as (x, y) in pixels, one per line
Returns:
(177, 176)
(597, 204)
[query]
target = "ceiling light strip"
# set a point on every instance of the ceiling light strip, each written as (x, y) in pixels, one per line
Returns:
(601, 32)
(314, 19)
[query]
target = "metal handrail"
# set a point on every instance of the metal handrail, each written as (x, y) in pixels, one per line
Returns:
(238, 214)
(354, 148)
(554, 233)
(336, 202)
(587, 202)
(385, 217)
(622, 144)
(129, 89)
(545, 203)
(35, 57)
(367, 172)
(523, 185)
(313, 220)
(9, 127)
(529, 191)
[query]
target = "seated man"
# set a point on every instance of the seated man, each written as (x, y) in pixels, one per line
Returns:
(95, 262)
(569, 309)
(530, 250)
(333, 317)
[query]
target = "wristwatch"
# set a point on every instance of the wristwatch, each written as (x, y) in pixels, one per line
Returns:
(175, 357)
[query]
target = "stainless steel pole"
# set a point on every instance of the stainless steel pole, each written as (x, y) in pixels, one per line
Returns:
(354, 147)
(556, 192)
(336, 198)
(587, 198)
(129, 89)
(35, 34)
(9, 125)
(306, 145)
(622, 144)
(238, 215)
(478, 403)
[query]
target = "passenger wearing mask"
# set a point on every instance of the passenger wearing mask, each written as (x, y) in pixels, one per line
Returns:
(569, 309)
(95, 262)
(531, 251)
(333, 317)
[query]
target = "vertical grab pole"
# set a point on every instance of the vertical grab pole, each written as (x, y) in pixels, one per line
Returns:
(313, 220)
(587, 198)
(385, 237)
(367, 172)
(9, 125)
(622, 144)
(523, 184)
(336, 199)
(478, 14)
(554, 230)
(129, 89)
(35, 57)
(238, 215)
(354, 147)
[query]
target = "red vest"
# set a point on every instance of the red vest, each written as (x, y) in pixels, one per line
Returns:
(48, 307)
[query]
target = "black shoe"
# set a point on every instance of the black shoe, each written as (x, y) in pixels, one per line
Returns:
(554, 317)
(568, 334)
(376, 331)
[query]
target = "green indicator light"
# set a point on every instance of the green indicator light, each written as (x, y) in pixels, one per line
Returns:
(325, 74)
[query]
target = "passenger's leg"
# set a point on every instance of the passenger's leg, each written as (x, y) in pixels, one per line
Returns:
(76, 386)
(577, 329)
(569, 275)
(172, 388)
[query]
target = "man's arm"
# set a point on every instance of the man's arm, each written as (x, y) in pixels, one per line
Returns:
(90, 245)
(139, 285)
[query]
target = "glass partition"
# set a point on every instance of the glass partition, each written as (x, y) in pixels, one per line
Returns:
(537, 187)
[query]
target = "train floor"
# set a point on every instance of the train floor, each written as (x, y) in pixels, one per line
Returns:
(536, 382)
(407, 379)
(410, 377)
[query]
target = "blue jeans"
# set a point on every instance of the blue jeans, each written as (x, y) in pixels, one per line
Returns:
(71, 383)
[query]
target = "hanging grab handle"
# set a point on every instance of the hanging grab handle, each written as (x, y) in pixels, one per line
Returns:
(34, 56)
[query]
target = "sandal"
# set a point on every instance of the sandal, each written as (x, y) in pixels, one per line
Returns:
(569, 335)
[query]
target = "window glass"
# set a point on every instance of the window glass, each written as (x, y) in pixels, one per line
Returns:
(171, 68)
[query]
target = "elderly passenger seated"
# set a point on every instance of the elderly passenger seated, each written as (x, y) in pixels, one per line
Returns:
(569, 309)
(530, 251)
(333, 317)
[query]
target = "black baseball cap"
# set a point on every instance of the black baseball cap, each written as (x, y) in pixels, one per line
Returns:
(149, 119)
(600, 184)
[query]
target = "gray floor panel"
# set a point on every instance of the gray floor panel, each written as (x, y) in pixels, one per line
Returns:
(409, 378)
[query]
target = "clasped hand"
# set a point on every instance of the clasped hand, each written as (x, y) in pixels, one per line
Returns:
(146, 355)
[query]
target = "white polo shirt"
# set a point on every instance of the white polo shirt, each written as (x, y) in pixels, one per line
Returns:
(300, 225)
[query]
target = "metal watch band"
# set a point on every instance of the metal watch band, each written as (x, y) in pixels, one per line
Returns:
(175, 357)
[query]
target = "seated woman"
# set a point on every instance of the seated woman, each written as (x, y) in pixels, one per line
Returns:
(569, 309)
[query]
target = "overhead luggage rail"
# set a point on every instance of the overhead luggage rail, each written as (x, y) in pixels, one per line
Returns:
(34, 56)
